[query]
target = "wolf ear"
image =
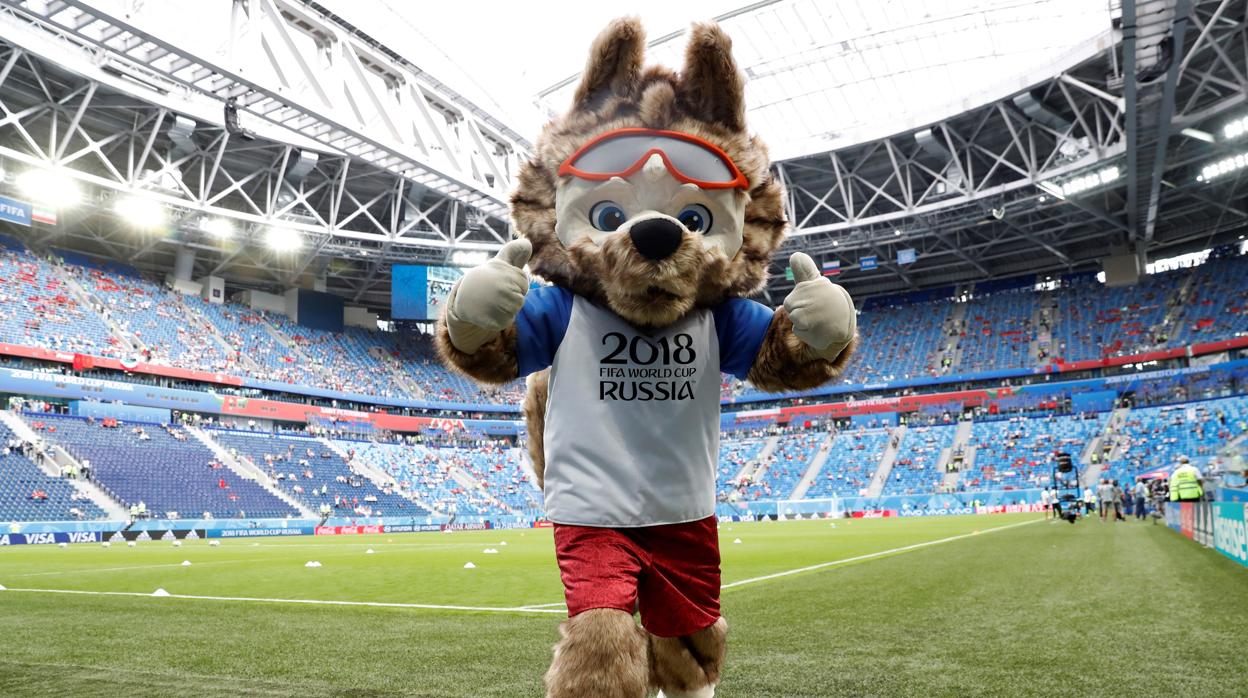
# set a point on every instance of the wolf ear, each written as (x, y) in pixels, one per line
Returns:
(614, 65)
(710, 86)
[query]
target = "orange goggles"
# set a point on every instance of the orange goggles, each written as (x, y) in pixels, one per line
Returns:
(624, 151)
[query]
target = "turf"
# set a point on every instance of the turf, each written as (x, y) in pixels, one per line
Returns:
(1035, 609)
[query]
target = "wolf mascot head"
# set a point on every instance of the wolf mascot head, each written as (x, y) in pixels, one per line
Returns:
(655, 241)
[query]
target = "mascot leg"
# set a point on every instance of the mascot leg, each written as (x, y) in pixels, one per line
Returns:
(602, 655)
(688, 667)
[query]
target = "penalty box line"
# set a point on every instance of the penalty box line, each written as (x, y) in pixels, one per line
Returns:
(309, 602)
(871, 556)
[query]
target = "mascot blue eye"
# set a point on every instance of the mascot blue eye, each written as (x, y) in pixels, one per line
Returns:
(695, 217)
(607, 216)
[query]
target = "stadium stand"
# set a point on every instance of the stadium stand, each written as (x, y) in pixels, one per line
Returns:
(173, 475)
(1018, 453)
(36, 308)
(1153, 437)
(315, 474)
(997, 331)
(853, 459)
(27, 493)
(782, 470)
(1095, 321)
(915, 470)
(903, 337)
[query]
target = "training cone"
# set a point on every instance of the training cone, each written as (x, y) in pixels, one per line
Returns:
(312, 563)
(130, 544)
(469, 566)
(737, 540)
(62, 545)
(214, 543)
(105, 544)
(160, 592)
(368, 552)
(186, 563)
(490, 551)
(1, 587)
(177, 544)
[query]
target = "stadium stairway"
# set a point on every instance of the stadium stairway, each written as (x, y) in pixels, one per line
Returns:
(467, 480)
(290, 344)
(396, 373)
(126, 340)
(876, 486)
(247, 470)
(960, 441)
(1041, 316)
(751, 467)
(204, 325)
(59, 458)
(955, 321)
(377, 476)
(816, 465)
(1092, 471)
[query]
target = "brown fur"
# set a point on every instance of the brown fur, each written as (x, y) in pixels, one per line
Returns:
(495, 362)
(688, 663)
(602, 655)
(786, 363)
(534, 420)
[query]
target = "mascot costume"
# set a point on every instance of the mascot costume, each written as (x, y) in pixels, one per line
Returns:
(651, 212)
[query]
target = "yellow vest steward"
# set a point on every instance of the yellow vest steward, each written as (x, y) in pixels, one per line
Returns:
(1184, 485)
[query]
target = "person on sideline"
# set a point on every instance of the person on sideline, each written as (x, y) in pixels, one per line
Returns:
(1105, 499)
(1140, 492)
(1185, 482)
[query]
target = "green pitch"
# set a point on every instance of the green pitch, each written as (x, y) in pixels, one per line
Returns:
(1019, 608)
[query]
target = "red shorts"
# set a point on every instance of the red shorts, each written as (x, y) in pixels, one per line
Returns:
(670, 573)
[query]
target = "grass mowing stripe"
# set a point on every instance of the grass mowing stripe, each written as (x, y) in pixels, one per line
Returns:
(319, 602)
(871, 556)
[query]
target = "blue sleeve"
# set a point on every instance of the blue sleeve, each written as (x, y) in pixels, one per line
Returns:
(740, 326)
(540, 327)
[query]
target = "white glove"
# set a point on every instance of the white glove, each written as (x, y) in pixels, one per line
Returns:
(487, 299)
(822, 313)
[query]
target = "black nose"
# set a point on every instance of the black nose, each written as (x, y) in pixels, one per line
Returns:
(656, 238)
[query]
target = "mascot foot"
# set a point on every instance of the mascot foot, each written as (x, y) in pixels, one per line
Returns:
(688, 667)
(704, 692)
(602, 655)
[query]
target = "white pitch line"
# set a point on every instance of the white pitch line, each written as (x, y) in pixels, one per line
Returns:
(870, 556)
(313, 602)
(544, 605)
(92, 570)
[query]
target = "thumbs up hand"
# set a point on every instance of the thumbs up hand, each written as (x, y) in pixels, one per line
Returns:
(822, 313)
(487, 299)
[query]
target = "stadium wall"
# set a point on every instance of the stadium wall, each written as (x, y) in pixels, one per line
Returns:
(1221, 524)
(55, 532)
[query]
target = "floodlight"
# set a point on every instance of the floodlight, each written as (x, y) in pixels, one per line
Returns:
(1236, 128)
(220, 228)
(281, 239)
(141, 212)
(50, 188)
(1217, 169)
(1081, 183)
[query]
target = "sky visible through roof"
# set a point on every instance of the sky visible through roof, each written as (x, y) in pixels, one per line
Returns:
(820, 74)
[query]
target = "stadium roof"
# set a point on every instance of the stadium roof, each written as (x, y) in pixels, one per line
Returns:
(1129, 147)
(823, 75)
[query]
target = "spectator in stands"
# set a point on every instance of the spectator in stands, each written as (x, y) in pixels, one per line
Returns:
(39, 495)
